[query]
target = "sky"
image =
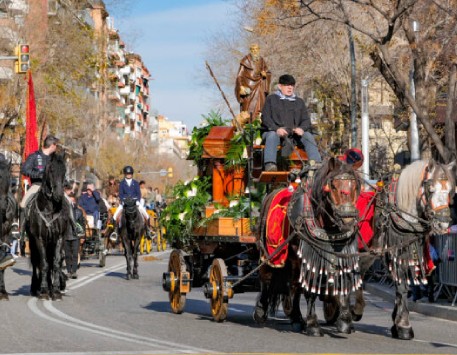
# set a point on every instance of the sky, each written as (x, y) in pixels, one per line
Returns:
(171, 37)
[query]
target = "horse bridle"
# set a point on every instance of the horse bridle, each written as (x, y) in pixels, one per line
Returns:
(440, 214)
(342, 211)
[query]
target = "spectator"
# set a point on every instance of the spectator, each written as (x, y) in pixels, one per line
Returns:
(72, 236)
(89, 200)
(112, 191)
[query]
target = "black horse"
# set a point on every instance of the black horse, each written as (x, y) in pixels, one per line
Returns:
(321, 250)
(46, 222)
(413, 205)
(132, 228)
(8, 213)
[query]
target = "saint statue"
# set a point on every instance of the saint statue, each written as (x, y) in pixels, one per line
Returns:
(252, 82)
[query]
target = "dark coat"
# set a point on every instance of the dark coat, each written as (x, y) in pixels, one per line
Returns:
(90, 203)
(129, 191)
(35, 166)
(287, 114)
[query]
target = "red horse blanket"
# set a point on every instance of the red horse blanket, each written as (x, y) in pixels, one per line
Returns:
(277, 228)
(365, 205)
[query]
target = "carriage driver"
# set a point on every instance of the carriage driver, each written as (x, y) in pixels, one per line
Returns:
(129, 187)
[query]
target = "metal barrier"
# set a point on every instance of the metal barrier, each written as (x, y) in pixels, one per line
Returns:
(446, 246)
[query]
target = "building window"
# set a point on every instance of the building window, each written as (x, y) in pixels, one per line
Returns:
(52, 7)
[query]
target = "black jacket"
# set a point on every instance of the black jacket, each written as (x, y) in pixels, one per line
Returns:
(35, 166)
(277, 113)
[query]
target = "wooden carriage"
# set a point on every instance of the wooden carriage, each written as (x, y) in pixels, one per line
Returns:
(224, 255)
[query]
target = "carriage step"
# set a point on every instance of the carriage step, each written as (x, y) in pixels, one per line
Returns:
(273, 176)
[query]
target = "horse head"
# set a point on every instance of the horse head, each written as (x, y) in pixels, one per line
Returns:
(435, 194)
(335, 191)
(130, 207)
(423, 194)
(54, 177)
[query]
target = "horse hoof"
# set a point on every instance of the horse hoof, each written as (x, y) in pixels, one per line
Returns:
(259, 315)
(135, 276)
(402, 333)
(344, 327)
(297, 327)
(314, 331)
(43, 297)
(127, 277)
(4, 296)
(356, 317)
(57, 296)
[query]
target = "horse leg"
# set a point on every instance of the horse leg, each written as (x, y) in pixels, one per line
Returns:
(3, 293)
(56, 271)
(260, 314)
(344, 321)
(43, 292)
(312, 324)
(135, 257)
(359, 306)
(298, 324)
(128, 257)
(401, 329)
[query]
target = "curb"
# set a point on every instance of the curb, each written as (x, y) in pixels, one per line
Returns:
(429, 309)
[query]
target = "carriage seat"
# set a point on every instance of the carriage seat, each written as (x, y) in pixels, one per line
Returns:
(294, 161)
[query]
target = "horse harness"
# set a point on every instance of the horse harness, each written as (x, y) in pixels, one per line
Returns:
(329, 260)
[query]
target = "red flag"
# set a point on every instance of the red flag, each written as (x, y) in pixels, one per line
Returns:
(31, 141)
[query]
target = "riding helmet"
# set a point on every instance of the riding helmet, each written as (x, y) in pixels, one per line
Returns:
(128, 170)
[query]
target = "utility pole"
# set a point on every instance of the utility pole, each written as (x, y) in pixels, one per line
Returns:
(414, 130)
(353, 104)
(365, 131)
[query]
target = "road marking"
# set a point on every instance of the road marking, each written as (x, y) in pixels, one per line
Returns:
(94, 276)
(115, 333)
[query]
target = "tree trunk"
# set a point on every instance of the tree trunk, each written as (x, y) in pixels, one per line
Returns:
(449, 123)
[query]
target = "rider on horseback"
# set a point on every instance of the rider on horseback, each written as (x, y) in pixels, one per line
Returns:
(35, 166)
(129, 187)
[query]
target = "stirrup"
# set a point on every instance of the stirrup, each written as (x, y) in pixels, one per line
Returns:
(113, 237)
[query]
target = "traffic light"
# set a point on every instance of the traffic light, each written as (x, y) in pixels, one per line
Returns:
(23, 58)
(170, 172)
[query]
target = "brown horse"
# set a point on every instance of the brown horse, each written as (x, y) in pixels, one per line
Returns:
(319, 258)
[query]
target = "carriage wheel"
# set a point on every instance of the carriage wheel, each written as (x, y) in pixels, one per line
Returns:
(219, 300)
(331, 309)
(176, 266)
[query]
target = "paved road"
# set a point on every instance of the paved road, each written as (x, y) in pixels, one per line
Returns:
(102, 313)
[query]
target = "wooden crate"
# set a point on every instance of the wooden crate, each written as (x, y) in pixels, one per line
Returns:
(226, 226)
(217, 143)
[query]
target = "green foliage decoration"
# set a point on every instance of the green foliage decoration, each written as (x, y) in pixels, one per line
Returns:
(183, 214)
(199, 134)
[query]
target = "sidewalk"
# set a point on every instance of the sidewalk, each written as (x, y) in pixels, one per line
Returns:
(442, 308)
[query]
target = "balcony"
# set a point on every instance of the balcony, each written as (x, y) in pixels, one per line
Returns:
(114, 95)
(125, 70)
(125, 91)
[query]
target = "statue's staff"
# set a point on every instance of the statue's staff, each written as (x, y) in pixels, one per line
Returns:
(219, 87)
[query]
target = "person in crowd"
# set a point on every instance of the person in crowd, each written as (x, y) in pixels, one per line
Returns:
(129, 187)
(75, 231)
(112, 191)
(89, 201)
(284, 115)
(35, 165)
(252, 82)
(144, 193)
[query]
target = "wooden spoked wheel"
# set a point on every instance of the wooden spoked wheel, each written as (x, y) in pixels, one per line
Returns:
(331, 309)
(219, 299)
(176, 266)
